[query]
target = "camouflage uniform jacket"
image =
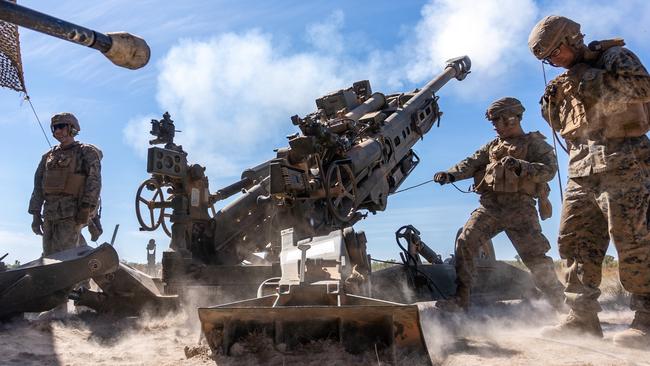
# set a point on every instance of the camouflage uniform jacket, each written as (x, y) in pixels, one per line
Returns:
(538, 163)
(86, 159)
(600, 106)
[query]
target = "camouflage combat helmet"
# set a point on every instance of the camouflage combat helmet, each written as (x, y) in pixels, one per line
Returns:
(67, 118)
(552, 31)
(507, 106)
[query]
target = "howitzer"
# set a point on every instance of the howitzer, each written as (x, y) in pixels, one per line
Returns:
(351, 154)
(121, 48)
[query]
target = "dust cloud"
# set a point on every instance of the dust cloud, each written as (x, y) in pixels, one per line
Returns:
(506, 333)
(509, 333)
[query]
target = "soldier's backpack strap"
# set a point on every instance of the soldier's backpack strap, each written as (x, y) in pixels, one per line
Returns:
(596, 48)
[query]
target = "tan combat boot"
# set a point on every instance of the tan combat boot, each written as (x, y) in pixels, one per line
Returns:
(638, 334)
(575, 324)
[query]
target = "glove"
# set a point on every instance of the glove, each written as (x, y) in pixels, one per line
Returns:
(443, 178)
(83, 215)
(37, 224)
(511, 163)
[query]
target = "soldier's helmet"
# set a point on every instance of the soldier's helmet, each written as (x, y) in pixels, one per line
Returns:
(505, 107)
(552, 31)
(67, 118)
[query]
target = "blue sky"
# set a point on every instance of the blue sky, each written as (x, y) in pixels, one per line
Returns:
(231, 73)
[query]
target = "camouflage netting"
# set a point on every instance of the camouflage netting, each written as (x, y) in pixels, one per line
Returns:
(11, 66)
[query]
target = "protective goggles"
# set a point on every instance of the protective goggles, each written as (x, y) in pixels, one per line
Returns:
(58, 126)
(556, 52)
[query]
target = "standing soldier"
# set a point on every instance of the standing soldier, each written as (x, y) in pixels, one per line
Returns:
(600, 107)
(509, 173)
(67, 183)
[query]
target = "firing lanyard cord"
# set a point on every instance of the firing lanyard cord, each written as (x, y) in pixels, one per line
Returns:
(555, 139)
(415, 186)
(470, 190)
(29, 100)
(429, 181)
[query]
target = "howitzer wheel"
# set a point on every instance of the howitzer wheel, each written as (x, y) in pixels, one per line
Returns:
(154, 219)
(341, 189)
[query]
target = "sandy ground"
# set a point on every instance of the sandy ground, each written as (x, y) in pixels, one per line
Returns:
(507, 334)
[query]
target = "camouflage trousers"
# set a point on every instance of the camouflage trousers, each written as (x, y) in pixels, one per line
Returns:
(59, 235)
(514, 213)
(610, 205)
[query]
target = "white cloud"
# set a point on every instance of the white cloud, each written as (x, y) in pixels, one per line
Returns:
(492, 33)
(326, 36)
(235, 91)
(136, 134)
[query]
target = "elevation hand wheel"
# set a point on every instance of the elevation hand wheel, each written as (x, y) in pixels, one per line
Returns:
(154, 206)
(341, 190)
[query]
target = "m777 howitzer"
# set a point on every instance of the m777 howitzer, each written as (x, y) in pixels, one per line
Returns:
(287, 238)
(351, 155)
(121, 48)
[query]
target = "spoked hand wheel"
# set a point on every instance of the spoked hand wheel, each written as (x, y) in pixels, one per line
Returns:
(153, 204)
(341, 190)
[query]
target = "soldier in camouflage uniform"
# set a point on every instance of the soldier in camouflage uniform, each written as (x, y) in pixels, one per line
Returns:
(67, 184)
(509, 173)
(600, 107)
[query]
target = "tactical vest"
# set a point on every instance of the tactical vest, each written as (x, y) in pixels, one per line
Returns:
(60, 176)
(598, 119)
(495, 178)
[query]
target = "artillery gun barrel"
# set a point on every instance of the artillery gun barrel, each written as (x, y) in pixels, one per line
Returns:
(236, 187)
(419, 110)
(456, 68)
(123, 49)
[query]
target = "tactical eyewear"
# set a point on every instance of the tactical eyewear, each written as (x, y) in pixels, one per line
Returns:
(59, 126)
(555, 53)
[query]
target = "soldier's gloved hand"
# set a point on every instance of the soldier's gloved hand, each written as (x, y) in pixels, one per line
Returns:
(37, 224)
(511, 163)
(83, 215)
(443, 178)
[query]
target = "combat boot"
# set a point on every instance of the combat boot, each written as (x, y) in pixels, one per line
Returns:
(456, 304)
(638, 334)
(576, 323)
